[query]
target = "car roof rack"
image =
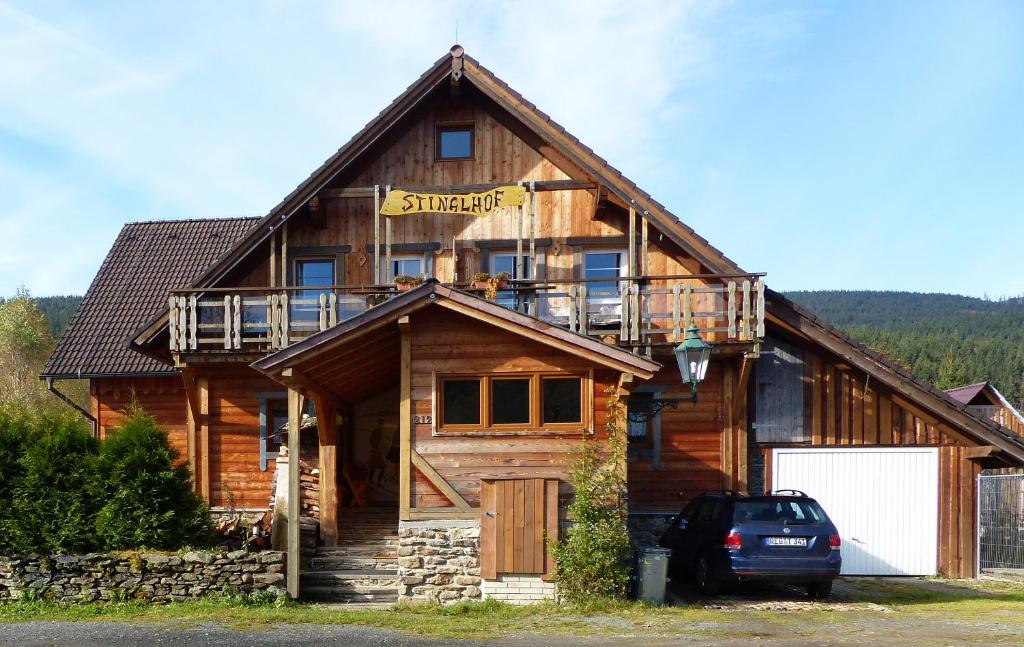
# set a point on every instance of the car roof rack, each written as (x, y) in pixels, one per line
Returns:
(723, 492)
(789, 491)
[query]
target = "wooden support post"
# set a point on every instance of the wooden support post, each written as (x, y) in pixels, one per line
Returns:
(632, 252)
(294, 525)
(533, 232)
(376, 235)
(816, 386)
(518, 264)
(203, 385)
(727, 435)
(192, 421)
(387, 245)
(326, 420)
(273, 258)
(405, 421)
(645, 252)
(284, 254)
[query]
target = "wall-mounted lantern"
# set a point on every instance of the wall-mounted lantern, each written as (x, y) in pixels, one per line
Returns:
(692, 356)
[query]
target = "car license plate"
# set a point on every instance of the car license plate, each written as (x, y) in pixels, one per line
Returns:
(787, 541)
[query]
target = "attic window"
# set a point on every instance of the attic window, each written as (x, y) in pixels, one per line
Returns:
(455, 142)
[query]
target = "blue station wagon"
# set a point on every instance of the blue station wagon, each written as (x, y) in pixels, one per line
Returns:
(725, 536)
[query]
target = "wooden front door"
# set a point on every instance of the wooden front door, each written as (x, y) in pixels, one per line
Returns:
(517, 517)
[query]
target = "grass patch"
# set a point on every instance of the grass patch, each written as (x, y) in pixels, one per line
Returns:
(915, 600)
(468, 620)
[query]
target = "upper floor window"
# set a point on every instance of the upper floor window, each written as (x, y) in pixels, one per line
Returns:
(455, 142)
(506, 262)
(407, 265)
(604, 264)
(310, 273)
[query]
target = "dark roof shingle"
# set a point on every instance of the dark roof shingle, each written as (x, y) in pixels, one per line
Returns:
(147, 260)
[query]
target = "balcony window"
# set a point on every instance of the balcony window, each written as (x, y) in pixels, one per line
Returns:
(305, 306)
(506, 262)
(455, 142)
(408, 265)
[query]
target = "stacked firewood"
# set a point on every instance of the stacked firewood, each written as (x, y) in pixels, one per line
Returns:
(243, 531)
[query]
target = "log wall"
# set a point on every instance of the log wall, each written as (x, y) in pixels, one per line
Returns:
(161, 397)
(446, 343)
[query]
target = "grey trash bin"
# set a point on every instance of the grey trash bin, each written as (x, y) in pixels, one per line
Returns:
(652, 571)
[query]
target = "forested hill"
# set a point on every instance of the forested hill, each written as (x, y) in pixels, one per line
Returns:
(947, 339)
(58, 311)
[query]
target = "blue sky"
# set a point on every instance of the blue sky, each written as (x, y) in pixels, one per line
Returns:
(857, 145)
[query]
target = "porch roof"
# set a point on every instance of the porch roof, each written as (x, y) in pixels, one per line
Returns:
(360, 355)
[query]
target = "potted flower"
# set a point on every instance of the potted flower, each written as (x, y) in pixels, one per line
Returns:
(404, 282)
(481, 280)
(502, 278)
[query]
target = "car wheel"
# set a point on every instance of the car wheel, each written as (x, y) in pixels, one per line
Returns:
(706, 582)
(819, 590)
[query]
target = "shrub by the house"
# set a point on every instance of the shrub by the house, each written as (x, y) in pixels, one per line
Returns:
(147, 500)
(593, 561)
(62, 491)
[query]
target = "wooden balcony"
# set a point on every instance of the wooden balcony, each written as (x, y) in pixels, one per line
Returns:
(643, 311)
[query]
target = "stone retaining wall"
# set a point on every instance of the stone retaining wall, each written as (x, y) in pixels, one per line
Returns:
(133, 576)
(439, 560)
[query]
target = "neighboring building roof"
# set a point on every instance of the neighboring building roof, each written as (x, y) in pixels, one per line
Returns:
(147, 260)
(919, 391)
(433, 294)
(967, 394)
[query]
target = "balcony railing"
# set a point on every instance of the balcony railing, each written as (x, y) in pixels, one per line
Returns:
(631, 311)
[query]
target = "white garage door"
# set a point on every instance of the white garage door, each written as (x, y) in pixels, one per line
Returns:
(884, 501)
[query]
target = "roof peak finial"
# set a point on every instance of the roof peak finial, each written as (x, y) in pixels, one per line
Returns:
(457, 51)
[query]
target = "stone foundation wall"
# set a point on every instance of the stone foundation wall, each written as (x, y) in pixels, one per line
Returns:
(147, 576)
(439, 560)
(519, 589)
(646, 529)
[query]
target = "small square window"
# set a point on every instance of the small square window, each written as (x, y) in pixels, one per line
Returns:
(561, 399)
(460, 402)
(455, 143)
(510, 401)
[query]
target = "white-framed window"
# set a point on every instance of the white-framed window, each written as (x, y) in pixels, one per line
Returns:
(604, 264)
(506, 262)
(408, 264)
(310, 273)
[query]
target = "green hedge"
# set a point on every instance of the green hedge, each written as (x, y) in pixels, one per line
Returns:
(62, 491)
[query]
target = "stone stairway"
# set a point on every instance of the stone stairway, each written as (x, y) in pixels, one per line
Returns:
(363, 568)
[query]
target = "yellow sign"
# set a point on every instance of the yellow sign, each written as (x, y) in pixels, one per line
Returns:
(403, 203)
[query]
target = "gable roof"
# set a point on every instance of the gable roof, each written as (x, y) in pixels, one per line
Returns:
(920, 392)
(966, 395)
(147, 260)
(508, 99)
(433, 294)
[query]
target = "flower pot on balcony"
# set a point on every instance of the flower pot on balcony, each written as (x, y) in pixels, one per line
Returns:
(404, 282)
(480, 285)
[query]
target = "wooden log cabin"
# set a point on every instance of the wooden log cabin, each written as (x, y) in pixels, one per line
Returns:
(447, 414)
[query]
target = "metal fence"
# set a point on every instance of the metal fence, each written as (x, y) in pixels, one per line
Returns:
(1001, 522)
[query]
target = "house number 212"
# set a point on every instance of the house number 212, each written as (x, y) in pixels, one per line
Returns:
(422, 420)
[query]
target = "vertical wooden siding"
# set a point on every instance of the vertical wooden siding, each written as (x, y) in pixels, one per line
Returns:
(848, 409)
